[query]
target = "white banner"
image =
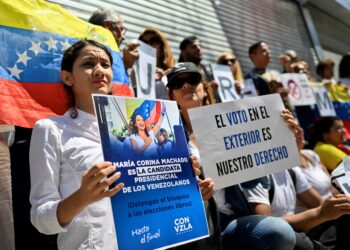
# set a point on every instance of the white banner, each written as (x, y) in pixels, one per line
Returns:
(145, 70)
(223, 75)
(243, 140)
(300, 92)
(324, 103)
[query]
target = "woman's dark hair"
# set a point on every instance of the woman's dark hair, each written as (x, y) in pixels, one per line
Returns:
(344, 66)
(135, 130)
(69, 57)
(321, 126)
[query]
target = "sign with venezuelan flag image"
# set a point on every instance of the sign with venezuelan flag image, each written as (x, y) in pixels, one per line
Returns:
(146, 142)
(33, 38)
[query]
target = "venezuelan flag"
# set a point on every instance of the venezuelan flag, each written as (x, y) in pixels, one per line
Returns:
(33, 37)
(341, 102)
(149, 110)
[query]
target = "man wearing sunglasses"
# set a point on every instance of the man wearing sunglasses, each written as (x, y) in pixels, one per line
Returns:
(112, 20)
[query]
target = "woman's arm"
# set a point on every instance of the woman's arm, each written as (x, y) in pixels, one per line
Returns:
(159, 123)
(94, 187)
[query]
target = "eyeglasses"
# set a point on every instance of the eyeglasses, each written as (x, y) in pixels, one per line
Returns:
(229, 61)
(116, 26)
(180, 82)
(152, 41)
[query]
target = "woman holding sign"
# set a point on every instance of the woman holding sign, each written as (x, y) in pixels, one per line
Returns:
(249, 232)
(69, 179)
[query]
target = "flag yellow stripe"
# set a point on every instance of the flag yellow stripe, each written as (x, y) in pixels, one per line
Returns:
(38, 15)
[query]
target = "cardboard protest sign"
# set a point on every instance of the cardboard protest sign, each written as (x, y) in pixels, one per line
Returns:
(323, 102)
(226, 89)
(249, 89)
(300, 92)
(146, 142)
(145, 70)
(243, 140)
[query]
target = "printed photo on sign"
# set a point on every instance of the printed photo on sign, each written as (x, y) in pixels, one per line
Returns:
(145, 70)
(226, 84)
(243, 140)
(300, 92)
(145, 140)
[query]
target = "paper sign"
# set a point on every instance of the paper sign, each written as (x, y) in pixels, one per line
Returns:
(223, 75)
(323, 102)
(146, 142)
(249, 89)
(145, 71)
(300, 92)
(243, 140)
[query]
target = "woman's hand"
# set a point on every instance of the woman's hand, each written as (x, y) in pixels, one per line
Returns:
(94, 187)
(334, 206)
(292, 124)
(195, 165)
(159, 74)
(95, 182)
(207, 188)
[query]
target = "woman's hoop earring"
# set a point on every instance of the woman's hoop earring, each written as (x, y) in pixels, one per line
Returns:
(74, 113)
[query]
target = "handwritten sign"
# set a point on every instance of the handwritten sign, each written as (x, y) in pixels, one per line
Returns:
(300, 92)
(223, 75)
(145, 70)
(146, 142)
(243, 140)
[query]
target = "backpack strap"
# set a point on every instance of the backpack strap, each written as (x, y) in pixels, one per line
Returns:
(272, 189)
(293, 176)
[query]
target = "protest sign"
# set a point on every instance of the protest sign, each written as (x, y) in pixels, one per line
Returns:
(145, 140)
(223, 75)
(249, 89)
(243, 140)
(145, 71)
(323, 102)
(300, 92)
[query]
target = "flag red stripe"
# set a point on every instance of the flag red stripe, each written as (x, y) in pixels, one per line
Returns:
(22, 104)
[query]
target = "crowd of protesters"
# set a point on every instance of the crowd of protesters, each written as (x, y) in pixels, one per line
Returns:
(304, 211)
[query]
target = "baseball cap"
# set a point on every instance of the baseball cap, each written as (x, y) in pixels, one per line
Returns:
(185, 67)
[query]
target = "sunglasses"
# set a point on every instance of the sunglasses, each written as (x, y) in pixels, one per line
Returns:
(227, 61)
(152, 41)
(192, 80)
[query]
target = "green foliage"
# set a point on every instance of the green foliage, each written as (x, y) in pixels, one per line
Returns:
(123, 131)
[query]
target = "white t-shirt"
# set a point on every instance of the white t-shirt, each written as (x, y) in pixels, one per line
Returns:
(62, 149)
(284, 199)
(315, 174)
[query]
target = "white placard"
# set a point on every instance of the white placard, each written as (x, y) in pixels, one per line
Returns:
(145, 71)
(323, 102)
(223, 75)
(243, 140)
(249, 89)
(300, 92)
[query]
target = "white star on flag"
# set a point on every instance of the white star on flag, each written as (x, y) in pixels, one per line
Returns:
(65, 45)
(23, 58)
(15, 71)
(35, 47)
(51, 43)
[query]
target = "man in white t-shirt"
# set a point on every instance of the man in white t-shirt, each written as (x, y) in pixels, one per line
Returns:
(283, 203)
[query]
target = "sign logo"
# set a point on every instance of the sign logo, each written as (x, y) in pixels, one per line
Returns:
(182, 225)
